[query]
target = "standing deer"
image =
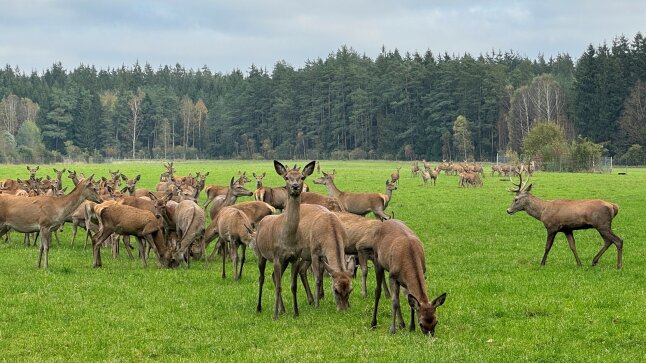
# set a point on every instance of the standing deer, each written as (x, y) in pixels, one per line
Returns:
(43, 213)
(359, 203)
(400, 252)
(394, 176)
(308, 232)
(567, 216)
(32, 172)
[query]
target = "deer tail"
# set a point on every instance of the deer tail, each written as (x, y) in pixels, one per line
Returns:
(615, 209)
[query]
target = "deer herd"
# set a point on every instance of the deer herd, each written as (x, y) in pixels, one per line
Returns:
(321, 234)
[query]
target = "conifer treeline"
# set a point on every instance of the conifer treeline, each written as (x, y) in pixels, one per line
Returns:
(394, 106)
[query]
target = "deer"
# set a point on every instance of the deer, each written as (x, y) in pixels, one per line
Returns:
(470, 178)
(235, 230)
(32, 172)
(306, 232)
(400, 252)
(187, 220)
(567, 216)
(131, 184)
(234, 191)
(394, 176)
(255, 212)
(127, 220)
(359, 203)
(76, 178)
(59, 179)
(43, 213)
(414, 171)
(213, 191)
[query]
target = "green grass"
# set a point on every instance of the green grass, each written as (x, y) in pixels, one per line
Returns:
(501, 305)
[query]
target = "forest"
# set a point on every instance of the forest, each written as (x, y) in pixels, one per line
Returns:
(396, 106)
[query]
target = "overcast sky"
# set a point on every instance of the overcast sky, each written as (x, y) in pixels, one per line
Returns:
(224, 35)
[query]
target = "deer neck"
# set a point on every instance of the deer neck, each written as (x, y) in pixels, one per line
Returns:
(332, 190)
(292, 219)
(535, 206)
(389, 194)
(67, 204)
(230, 198)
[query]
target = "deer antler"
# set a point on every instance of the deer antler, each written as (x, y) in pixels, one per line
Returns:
(521, 185)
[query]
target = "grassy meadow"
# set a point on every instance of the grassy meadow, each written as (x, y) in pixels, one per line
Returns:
(501, 305)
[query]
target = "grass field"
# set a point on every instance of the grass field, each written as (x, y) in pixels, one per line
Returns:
(501, 305)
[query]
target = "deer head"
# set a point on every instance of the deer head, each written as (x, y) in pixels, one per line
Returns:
(259, 179)
(426, 312)
(294, 178)
(130, 183)
(32, 171)
(238, 189)
(341, 286)
(390, 186)
(522, 193)
(326, 178)
(89, 190)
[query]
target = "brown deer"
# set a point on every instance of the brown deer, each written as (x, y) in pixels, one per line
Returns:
(567, 216)
(394, 176)
(43, 213)
(359, 203)
(187, 220)
(234, 191)
(414, 171)
(400, 252)
(76, 178)
(303, 231)
(213, 191)
(234, 230)
(32, 172)
(131, 184)
(127, 220)
(59, 179)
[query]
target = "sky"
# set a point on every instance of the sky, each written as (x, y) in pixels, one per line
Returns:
(228, 35)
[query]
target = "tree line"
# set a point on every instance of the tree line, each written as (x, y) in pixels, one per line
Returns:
(347, 105)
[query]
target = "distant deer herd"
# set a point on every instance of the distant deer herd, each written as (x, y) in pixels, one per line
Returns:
(313, 232)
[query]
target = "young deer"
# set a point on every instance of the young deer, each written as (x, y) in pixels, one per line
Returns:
(394, 176)
(567, 216)
(359, 203)
(302, 231)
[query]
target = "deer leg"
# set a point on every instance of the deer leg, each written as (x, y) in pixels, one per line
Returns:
(142, 247)
(40, 253)
(215, 251)
(126, 243)
(412, 319)
(296, 267)
(277, 285)
(570, 240)
(74, 230)
(262, 263)
(45, 240)
(243, 251)
(363, 263)
(379, 273)
(394, 286)
(383, 216)
(548, 246)
(58, 242)
(304, 265)
(223, 244)
(318, 277)
(619, 243)
(234, 258)
(97, 240)
(610, 238)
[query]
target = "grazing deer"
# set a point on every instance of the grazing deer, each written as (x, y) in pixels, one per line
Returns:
(127, 220)
(567, 216)
(43, 213)
(303, 231)
(400, 252)
(359, 203)
(394, 176)
(187, 219)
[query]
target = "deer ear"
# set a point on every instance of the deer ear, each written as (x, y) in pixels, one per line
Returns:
(309, 168)
(152, 196)
(263, 174)
(123, 177)
(254, 174)
(138, 177)
(328, 268)
(91, 177)
(55, 171)
(439, 301)
(413, 302)
(231, 182)
(529, 188)
(123, 190)
(280, 168)
(62, 171)
(37, 167)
